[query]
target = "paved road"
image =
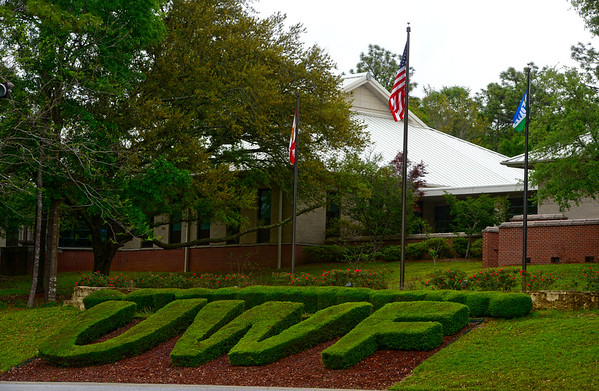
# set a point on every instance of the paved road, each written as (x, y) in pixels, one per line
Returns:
(27, 386)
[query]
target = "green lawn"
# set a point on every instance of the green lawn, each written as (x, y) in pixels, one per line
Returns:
(548, 350)
(22, 331)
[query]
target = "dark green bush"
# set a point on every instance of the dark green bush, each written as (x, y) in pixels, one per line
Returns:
(87, 327)
(101, 296)
(159, 327)
(151, 298)
(386, 328)
(459, 246)
(323, 326)
(509, 305)
(258, 323)
(325, 253)
(476, 249)
(210, 319)
(449, 279)
(441, 246)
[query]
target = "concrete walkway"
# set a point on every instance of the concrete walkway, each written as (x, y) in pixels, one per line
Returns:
(59, 386)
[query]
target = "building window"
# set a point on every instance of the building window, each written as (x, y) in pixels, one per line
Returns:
(174, 228)
(203, 230)
(264, 212)
(516, 208)
(443, 219)
(589, 259)
(554, 259)
(79, 235)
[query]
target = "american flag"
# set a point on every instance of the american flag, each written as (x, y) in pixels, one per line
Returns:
(398, 93)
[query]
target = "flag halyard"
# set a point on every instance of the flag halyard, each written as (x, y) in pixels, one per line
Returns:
(398, 93)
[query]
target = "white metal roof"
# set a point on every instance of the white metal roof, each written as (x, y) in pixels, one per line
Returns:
(452, 163)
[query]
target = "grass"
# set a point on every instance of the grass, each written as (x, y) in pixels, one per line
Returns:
(23, 330)
(547, 350)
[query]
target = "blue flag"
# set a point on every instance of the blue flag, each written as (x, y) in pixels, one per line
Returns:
(519, 121)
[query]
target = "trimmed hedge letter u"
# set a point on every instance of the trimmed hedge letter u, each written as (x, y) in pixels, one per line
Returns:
(71, 345)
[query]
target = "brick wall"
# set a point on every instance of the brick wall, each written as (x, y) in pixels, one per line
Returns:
(200, 259)
(551, 240)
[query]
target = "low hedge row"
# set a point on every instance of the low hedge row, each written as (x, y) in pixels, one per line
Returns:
(393, 327)
(323, 326)
(481, 304)
(68, 346)
(255, 324)
(209, 320)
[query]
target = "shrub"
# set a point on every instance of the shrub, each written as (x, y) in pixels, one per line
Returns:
(100, 280)
(151, 298)
(386, 328)
(416, 251)
(256, 324)
(166, 323)
(509, 305)
(440, 245)
(325, 253)
(536, 281)
(211, 318)
(592, 279)
(495, 280)
(101, 296)
(459, 246)
(476, 249)
(448, 279)
(364, 278)
(323, 326)
(85, 328)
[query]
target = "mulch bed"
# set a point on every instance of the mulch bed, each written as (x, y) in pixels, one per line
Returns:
(377, 372)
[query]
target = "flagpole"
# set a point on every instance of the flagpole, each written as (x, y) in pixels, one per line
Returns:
(525, 195)
(295, 186)
(404, 168)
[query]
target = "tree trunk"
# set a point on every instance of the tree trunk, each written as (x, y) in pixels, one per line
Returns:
(38, 233)
(468, 246)
(105, 247)
(52, 256)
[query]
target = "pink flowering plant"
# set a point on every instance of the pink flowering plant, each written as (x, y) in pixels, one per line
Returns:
(448, 279)
(364, 278)
(592, 279)
(165, 280)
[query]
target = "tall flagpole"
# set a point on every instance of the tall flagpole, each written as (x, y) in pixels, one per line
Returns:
(295, 185)
(404, 168)
(525, 195)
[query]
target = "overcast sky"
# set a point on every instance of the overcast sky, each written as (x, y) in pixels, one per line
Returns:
(453, 42)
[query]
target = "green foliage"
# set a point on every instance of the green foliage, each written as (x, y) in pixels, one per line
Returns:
(99, 279)
(393, 327)
(97, 297)
(211, 318)
(459, 246)
(453, 111)
(592, 279)
(325, 253)
(364, 278)
(418, 251)
(509, 305)
(151, 298)
(449, 279)
(495, 280)
(69, 348)
(86, 328)
(323, 326)
(256, 324)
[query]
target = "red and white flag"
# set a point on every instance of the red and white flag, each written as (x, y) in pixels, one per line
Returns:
(398, 93)
(292, 140)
